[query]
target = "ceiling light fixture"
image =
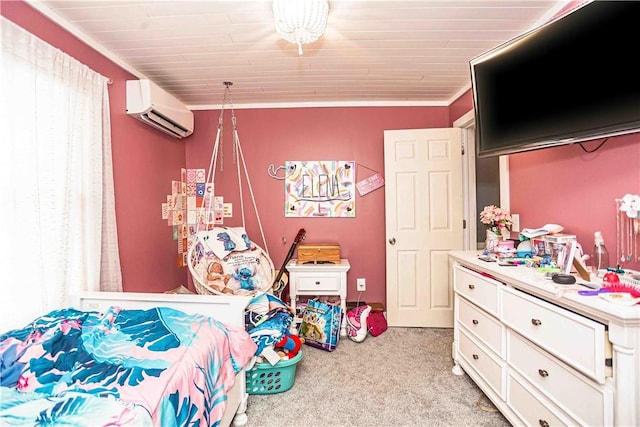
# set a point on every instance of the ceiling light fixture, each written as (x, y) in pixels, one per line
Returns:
(300, 21)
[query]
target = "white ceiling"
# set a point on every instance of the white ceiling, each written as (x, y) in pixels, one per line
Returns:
(373, 52)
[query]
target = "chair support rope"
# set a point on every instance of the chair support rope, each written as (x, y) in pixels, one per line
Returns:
(238, 158)
(199, 253)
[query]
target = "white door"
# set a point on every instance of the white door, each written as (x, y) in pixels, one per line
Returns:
(424, 220)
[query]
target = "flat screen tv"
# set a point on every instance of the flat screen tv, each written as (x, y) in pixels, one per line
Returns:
(573, 79)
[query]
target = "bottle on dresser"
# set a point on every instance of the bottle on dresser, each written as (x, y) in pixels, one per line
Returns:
(600, 255)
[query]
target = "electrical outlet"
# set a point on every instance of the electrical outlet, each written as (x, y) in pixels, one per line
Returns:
(515, 219)
(361, 284)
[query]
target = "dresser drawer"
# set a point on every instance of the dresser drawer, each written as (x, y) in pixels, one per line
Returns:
(486, 365)
(317, 283)
(578, 341)
(488, 330)
(531, 407)
(580, 397)
(483, 291)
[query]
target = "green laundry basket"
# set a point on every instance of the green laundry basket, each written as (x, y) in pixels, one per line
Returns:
(265, 378)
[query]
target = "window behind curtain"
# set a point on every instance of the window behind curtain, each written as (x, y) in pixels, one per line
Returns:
(55, 179)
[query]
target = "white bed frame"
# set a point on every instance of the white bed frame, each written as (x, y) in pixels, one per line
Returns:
(224, 308)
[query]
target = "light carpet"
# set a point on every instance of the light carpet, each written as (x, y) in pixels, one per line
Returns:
(400, 378)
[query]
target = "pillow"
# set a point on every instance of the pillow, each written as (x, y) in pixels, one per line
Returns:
(247, 276)
(221, 241)
(239, 273)
(240, 238)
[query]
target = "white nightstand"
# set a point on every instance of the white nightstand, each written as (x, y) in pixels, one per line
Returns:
(319, 279)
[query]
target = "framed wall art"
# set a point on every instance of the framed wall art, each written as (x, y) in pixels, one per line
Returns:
(320, 189)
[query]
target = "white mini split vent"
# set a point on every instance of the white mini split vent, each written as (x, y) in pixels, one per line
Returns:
(155, 107)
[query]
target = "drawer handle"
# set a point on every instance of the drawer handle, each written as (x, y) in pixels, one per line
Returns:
(475, 321)
(317, 282)
(476, 357)
(543, 373)
(543, 423)
(536, 322)
(472, 286)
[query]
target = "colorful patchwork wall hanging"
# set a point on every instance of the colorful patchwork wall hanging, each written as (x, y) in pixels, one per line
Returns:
(187, 209)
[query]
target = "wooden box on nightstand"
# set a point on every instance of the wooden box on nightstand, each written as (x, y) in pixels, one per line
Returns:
(318, 253)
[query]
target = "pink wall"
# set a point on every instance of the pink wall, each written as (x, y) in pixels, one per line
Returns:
(566, 186)
(144, 161)
(460, 106)
(274, 136)
(561, 185)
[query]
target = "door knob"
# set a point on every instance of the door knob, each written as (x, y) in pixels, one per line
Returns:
(392, 240)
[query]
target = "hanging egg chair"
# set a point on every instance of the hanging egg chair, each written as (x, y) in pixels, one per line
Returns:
(222, 259)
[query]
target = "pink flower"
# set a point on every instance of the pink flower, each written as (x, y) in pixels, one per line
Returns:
(23, 383)
(496, 218)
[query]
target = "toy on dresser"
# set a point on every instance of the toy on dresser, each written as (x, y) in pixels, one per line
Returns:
(621, 290)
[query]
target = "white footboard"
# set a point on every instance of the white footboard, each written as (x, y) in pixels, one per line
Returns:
(227, 309)
(224, 308)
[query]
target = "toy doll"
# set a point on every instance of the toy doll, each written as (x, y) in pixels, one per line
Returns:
(217, 279)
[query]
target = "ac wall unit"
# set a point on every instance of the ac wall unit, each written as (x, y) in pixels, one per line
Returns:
(149, 103)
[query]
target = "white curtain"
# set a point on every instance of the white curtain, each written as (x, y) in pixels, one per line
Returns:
(56, 182)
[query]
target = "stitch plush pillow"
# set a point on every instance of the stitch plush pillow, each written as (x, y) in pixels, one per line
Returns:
(221, 241)
(247, 273)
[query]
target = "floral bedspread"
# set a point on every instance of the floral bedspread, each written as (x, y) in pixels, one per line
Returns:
(121, 367)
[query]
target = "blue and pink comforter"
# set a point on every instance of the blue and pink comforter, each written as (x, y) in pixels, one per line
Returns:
(122, 367)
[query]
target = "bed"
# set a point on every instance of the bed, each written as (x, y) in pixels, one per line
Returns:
(129, 359)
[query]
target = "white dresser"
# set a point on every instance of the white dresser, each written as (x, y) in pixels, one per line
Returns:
(541, 352)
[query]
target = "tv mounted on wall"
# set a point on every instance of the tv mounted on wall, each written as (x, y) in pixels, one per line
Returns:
(573, 79)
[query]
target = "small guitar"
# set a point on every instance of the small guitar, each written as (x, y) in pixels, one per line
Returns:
(279, 284)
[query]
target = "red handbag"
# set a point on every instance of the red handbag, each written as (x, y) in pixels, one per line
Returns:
(376, 322)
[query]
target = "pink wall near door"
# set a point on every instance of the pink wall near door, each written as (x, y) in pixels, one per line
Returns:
(561, 185)
(460, 106)
(274, 136)
(566, 186)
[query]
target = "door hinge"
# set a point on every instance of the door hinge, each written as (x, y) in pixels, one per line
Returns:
(464, 224)
(462, 148)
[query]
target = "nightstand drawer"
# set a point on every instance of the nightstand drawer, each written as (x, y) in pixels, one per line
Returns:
(318, 279)
(317, 283)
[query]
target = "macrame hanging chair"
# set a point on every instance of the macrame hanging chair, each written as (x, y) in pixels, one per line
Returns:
(222, 259)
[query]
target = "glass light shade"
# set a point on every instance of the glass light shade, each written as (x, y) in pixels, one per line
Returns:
(300, 21)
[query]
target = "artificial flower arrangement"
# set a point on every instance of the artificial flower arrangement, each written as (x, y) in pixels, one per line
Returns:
(497, 220)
